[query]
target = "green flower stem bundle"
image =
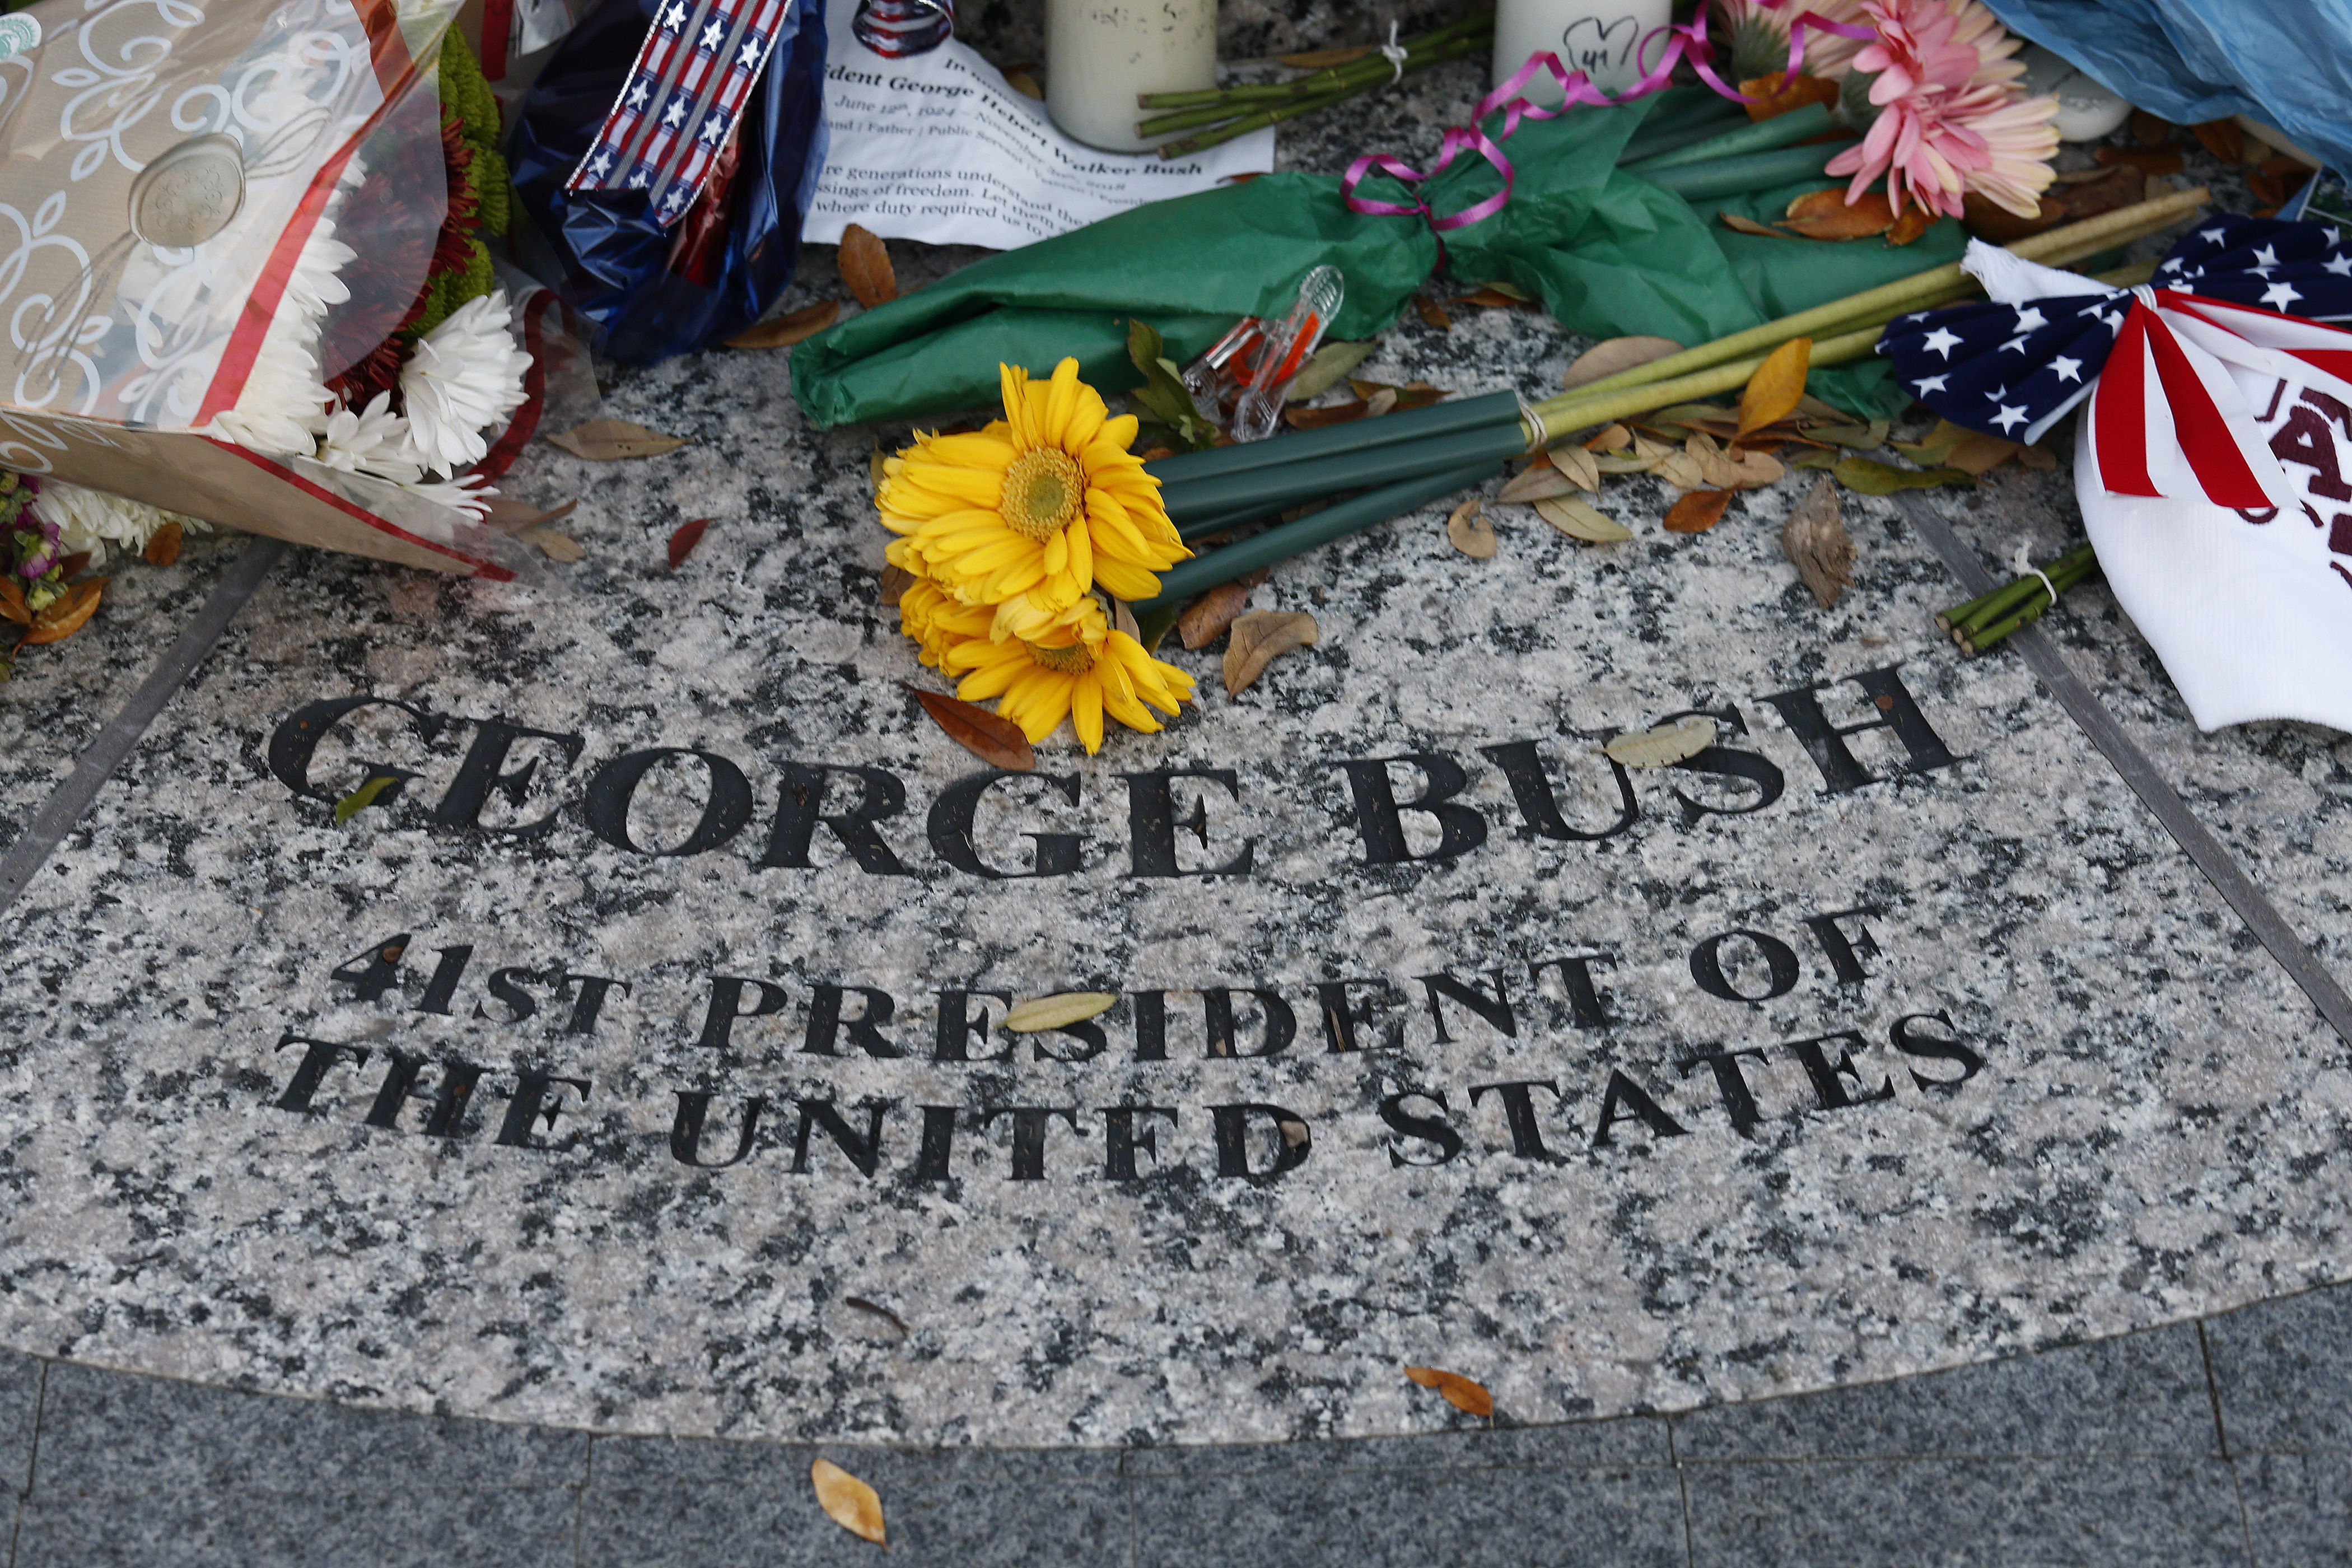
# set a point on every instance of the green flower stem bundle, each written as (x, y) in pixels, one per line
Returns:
(1261, 491)
(1756, 136)
(1436, 419)
(1985, 620)
(1237, 110)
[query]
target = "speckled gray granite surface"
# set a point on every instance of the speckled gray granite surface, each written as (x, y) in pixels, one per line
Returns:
(1832, 1057)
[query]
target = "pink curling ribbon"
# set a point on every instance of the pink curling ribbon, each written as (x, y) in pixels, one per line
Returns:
(1688, 42)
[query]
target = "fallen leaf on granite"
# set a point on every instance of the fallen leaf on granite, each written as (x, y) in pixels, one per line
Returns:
(1697, 511)
(1411, 395)
(507, 515)
(1583, 471)
(1207, 618)
(1325, 368)
(66, 615)
(609, 440)
(1815, 540)
(1757, 470)
(783, 331)
(1467, 529)
(359, 799)
(163, 548)
(1433, 313)
(1624, 465)
(682, 542)
(2221, 138)
(1257, 637)
(1058, 1011)
(1609, 438)
(1719, 471)
(1651, 452)
(1614, 354)
(553, 545)
(895, 580)
(984, 734)
(1663, 746)
(1457, 1390)
(1681, 470)
(2151, 131)
(1824, 215)
(12, 602)
(1384, 401)
(847, 1501)
(1122, 619)
(2146, 160)
(862, 1305)
(1540, 478)
(1316, 418)
(1772, 393)
(1684, 417)
(865, 263)
(1580, 520)
(2038, 457)
(1873, 479)
(1865, 436)
(1979, 452)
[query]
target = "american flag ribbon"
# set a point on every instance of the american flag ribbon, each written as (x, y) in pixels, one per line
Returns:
(2167, 417)
(692, 77)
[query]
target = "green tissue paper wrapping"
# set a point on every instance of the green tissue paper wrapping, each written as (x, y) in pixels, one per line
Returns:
(1608, 253)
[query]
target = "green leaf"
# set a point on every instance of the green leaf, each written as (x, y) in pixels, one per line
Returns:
(1883, 479)
(1866, 437)
(1155, 625)
(1329, 365)
(1162, 391)
(359, 799)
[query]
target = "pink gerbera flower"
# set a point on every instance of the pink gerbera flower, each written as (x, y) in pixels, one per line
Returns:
(1950, 119)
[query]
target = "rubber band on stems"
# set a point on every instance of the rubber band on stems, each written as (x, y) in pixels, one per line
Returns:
(2021, 563)
(1395, 54)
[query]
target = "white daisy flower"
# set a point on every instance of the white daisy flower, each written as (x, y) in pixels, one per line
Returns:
(92, 519)
(461, 381)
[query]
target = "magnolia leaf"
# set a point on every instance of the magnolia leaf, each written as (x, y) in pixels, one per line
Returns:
(359, 799)
(1739, 224)
(1681, 470)
(984, 734)
(783, 331)
(1611, 438)
(609, 440)
(1327, 368)
(1824, 215)
(865, 263)
(12, 601)
(66, 615)
(1815, 540)
(1697, 511)
(1980, 452)
(1873, 479)
(1580, 520)
(1467, 529)
(1458, 1391)
(1867, 437)
(1433, 312)
(1757, 470)
(1606, 359)
(1056, 1012)
(1772, 394)
(1411, 395)
(1665, 745)
(895, 580)
(682, 542)
(164, 547)
(1209, 616)
(847, 1501)
(1257, 637)
(1583, 471)
(1540, 478)
(1718, 472)
(553, 545)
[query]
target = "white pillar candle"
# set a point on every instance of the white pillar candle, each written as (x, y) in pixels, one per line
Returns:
(1099, 54)
(1611, 41)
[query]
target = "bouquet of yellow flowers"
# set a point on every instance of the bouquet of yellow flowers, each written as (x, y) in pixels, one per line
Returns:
(1017, 536)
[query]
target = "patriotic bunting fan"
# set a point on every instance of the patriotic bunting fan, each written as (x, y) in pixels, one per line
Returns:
(2211, 461)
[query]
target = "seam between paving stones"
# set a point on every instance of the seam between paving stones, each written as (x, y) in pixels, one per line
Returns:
(32, 1461)
(1682, 1486)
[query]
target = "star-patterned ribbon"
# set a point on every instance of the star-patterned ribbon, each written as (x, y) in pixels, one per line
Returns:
(2168, 418)
(692, 77)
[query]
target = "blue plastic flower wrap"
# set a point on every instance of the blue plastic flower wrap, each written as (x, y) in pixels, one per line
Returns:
(650, 287)
(2288, 63)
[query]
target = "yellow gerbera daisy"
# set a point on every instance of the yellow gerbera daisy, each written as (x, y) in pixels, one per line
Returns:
(1029, 513)
(937, 621)
(1081, 671)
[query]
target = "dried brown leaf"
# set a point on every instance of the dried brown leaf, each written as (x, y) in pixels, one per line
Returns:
(2146, 160)
(1208, 616)
(1825, 214)
(682, 542)
(1490, 297)
(1779, 92)
(72, 565)
(1316, 418)
(1055, 1011)
(1979, 452)
(1583, 470)
(895, 580)
(1122, 619)
(1020, 80)
(1581, 519)
(1684, 417)
(1738, 224)
(609, 440)
(1614, 438)
(1697, 511)
(1465, 1395)
(1539, 478)
(66, 615)
(1915, 221)
(1681, 470)
(783, 331)
(164, 546)
(865, 263)
(1772, 394)
(1384, 401)
(1257, 637)
(847, 1501)
(1468, 531)
(1431, 311)
(2038, 457)
(1756, 469)
(1607, 358)
(2151, 131)
(1814, 538)
(1663, 746)
(2221, 138)
(1624, 465)
(553, 545)
(1719, 471)
(12, 601)
(2123, 186)
(979, 732)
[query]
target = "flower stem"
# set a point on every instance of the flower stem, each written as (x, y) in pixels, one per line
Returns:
(1984, 621)
(1252, 107)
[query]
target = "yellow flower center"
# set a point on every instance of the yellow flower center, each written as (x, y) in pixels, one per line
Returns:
(1044, 489)
(1072, 660)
